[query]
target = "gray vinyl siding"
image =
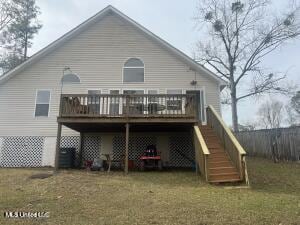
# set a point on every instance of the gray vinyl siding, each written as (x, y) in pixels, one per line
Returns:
(97, 55)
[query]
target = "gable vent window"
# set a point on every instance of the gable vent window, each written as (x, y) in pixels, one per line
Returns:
(133, 70)
(42, 103)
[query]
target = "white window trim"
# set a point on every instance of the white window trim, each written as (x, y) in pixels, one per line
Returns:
(152, 89)
(130, 67)
(133, 89)
(95, 89)
(169, 89)
(120, 100)
(181, 92)
(49, 110)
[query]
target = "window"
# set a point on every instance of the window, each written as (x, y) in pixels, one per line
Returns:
(152, 92)
(174, 92)
(136, 103)
(133, 92)
(94, 101)
(114, 102)
(153, 102)
(174, 102)
(153, 99)
(133, 70)
(42, 103)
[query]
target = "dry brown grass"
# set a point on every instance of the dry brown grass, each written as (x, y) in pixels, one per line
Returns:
(77, 197)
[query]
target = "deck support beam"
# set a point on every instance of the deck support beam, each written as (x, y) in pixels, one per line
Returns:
(126, 148)
(57, 151)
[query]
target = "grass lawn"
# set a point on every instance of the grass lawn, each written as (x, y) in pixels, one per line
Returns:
(77, 197)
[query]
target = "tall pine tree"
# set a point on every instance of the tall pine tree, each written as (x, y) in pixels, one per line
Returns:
(22, 29)
(18, 30)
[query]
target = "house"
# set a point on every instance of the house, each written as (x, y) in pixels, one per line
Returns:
(133, 90)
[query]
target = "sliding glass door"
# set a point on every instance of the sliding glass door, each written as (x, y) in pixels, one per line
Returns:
(200, 108)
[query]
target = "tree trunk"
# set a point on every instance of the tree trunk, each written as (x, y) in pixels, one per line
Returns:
(234, 113)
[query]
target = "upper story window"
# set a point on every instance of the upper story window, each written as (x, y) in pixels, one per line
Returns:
(133, 70)
(174, 102)
(42, 103)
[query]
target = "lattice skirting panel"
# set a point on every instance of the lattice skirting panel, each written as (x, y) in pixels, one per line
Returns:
(91, 147)
(137, 146)
(22, 151)
(182, 152)
(71, 142)
(27, 151)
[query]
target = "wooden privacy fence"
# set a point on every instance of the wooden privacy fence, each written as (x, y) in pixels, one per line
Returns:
(281, 143)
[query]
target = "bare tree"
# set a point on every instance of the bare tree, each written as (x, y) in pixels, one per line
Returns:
(240, 35)
(291, 117)
(293, 110)
(271, 114)
(295, 102)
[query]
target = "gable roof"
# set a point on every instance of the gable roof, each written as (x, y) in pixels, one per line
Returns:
(111, 10)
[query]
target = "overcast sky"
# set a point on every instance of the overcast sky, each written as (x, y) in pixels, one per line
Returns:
(172, 20)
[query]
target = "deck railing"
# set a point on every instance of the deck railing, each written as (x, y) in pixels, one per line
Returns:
(123, 105)
(202, 153)
(231, 145)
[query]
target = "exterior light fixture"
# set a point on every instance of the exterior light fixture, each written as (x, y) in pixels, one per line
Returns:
(193, 82)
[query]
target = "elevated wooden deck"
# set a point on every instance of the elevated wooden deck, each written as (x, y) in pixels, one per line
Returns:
(100, 110)
(95, 113)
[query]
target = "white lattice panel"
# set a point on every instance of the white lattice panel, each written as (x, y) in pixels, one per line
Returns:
(22, 151)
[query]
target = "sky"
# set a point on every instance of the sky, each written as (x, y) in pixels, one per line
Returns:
(172, 20)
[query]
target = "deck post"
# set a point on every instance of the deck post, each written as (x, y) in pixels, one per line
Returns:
(126, 148)
(80, 149)
(57, 151)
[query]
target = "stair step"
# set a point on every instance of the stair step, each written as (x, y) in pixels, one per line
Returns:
(211, 137)
(215, 153)
(213, 145)
(229, 180)
(223, 176)
(224, 163)
(205, 127)
(222, 157)
(214, 156)
(208, 133)
(216, 150)
(220, 170)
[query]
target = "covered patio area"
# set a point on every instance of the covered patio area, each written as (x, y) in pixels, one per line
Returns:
(125, 143)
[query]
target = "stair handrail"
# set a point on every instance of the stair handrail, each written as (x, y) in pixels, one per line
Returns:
(229, 141)
(202, 152)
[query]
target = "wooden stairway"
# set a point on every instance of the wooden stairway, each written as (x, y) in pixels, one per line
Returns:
(219, 167)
